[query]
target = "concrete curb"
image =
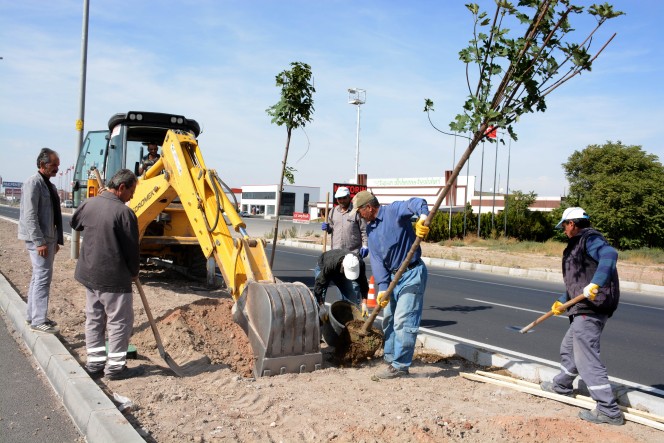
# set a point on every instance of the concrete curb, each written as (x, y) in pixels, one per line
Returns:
(533, 274)
(95, 415)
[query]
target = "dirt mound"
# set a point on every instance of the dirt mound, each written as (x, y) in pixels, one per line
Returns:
(203, 330)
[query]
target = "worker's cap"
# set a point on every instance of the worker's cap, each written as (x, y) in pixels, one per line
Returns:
(572, 214)
(351, 265)
(342, 192)
(361, 199)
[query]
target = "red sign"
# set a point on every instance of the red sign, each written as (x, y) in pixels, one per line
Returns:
(354, 189)
(301, 217)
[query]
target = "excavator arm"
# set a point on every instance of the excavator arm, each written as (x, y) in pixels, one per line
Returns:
(279, 318)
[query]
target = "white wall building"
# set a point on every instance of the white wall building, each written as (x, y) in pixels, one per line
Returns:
(261, 200)
(388, 190)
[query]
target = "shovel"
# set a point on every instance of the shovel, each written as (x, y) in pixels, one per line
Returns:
(167, 358)
(327, 213)
(565, 305)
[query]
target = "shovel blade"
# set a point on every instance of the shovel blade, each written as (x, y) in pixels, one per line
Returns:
(171, 363)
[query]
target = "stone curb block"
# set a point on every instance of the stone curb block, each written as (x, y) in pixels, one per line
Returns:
(61, 368)
(106, 423)
(44, 348)
(82, 398)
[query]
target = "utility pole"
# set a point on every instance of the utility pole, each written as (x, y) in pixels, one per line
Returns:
(75, 235)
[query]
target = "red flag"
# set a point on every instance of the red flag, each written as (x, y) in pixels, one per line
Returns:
(491, 132)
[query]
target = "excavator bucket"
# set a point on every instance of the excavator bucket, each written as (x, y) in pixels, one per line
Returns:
(281, 321)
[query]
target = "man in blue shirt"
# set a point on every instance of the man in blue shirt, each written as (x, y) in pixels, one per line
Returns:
(390, 236)
(589, 268)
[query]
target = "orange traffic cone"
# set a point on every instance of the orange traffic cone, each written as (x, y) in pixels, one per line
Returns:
(371, 298)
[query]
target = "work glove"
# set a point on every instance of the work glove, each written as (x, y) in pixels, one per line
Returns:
(325, 227)
(364, 251)
(557, 308)
(365, 310)
(322, 313)
(590, 291)
(420, 230)
(381, 299)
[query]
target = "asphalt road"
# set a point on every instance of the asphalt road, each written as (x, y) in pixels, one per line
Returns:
(480, 307)
(29, 409)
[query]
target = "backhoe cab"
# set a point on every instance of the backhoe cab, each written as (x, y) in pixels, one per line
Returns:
(182, 211)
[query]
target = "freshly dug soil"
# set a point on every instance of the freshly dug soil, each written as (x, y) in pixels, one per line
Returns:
(355, 347)
(219, 401)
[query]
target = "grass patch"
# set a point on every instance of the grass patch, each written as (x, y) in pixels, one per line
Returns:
(643, 256)
(552, 248)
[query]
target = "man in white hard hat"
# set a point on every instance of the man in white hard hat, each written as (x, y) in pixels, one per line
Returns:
(344, 269)
(589, 268)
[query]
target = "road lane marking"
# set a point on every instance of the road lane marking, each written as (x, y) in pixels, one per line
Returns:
(496, 284)
(640, 306)
(510, 306)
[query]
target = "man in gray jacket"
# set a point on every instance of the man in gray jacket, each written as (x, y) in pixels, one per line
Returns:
(349, 231)
(108, 263)
(40, 225)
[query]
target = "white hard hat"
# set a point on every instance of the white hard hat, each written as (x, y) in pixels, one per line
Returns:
(351, 265)
(342, 191)
(572, 214)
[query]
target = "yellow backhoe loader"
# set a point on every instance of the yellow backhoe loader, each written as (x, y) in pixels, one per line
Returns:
(185, 217)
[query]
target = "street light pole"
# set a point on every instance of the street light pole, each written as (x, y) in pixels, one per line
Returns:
(75, 237)
(357, 97)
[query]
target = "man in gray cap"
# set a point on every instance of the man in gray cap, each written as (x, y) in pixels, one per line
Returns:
(589, 268)
(391, 235)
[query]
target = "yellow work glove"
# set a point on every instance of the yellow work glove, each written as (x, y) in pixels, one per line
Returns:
(557, 308)
(381, 299)
(420, 230)
(590, 291)
(365, 310)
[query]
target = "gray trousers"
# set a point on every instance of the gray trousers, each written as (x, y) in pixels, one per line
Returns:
(112, 314)
(579, 352)
(40, 283)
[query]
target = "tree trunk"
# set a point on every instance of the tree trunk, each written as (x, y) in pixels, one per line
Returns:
(281, 188)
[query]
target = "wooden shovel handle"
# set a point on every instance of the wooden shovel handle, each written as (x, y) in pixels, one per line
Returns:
(327, 213)
(565, 305)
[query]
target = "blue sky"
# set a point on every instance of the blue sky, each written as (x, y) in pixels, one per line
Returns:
(215, 61)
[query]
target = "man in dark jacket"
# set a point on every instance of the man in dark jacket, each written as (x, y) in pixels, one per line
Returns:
(108, 262)
(589, 268)
(343, 268)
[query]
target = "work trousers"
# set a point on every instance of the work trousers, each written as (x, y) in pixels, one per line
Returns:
(349, 290)
(401, 318)
(580, 355)
(112, 314)
(40, 283)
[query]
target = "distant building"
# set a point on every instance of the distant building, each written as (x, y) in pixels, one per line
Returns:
(261, 200)
(463, 191)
